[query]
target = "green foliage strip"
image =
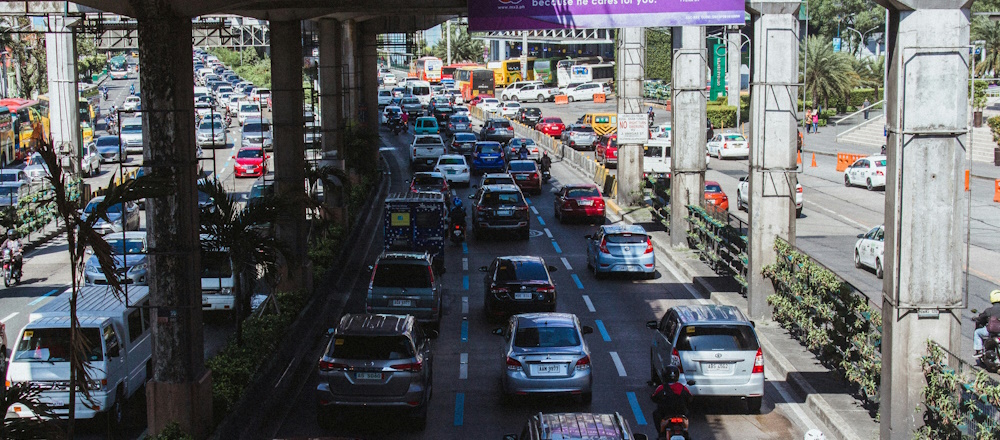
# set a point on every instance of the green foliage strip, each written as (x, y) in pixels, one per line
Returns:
(957, 405)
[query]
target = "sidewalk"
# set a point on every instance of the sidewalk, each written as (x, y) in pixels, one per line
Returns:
(826, 393)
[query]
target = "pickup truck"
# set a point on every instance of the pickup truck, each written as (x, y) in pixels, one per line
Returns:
(534, 92)
(425, 150)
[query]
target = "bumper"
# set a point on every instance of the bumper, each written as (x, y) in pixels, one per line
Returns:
(734, 152)
(327, 397)
(59, 403)
(486, 226)
(582, 212)
(110, 157)
(254, 172)
(507, 307)
(753, 388)
(517, 382)
(549, 132)
(99, 279)
(645, 264)
(211, 141)
(216, 301)
(131, 147)
(460, 178)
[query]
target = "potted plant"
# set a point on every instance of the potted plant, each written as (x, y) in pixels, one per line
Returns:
(978, 103)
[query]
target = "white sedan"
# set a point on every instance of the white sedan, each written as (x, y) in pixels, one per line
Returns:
(868, 171)
(131, 104)
(489, 105)
(584, 92)
(389, 79)
(869, 251)
(509, 109)
(454, 168)
(743, 196)
(728, 145)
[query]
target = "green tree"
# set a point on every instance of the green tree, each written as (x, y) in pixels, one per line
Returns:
(27, 51)
(861, 15)
(870, 72)
(988, 31)
(88, 60)
(828, 73)
(659, 54)
(463, 48)
(243, 229)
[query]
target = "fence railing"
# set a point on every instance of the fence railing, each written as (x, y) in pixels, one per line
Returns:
(35, 209)
(960, 400)
(721, 245)
(659, 199)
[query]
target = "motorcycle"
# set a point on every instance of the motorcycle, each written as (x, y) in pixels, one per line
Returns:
(457, 233)
(990, 360)
(396, 125)
(673, 429)
(11, 275)
(546, 175)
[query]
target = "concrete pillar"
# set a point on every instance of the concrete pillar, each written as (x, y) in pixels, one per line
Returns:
(925, 207)
(64, 126)
(289, 150)
(733, 56)
(368, 102)
(631, 73)
(687, 164)
(181, 389)
(331, 97)
(772, 142)
(349, 57)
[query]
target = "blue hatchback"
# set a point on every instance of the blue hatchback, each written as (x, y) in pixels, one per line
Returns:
(488, 156)
(621, 248)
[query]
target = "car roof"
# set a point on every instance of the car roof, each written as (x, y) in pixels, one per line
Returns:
(710, 314)
(520, 258)
(428, 174)
(712, 182)
(500, 187)
(623, 229)
(565, 426)
(451, 156)
(496, 175)
(365, 324)
(546, 319)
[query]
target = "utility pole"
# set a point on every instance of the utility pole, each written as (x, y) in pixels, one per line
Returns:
(631, 73)
(64, 129)
(447, 40)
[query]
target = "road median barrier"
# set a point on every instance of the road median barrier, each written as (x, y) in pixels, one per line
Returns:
(561, 99)
(600, 98)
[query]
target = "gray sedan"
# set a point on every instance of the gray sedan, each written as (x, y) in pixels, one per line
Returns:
(110, 148)
(211, 133)
(546, 354)
(129, 251)
(579, 136)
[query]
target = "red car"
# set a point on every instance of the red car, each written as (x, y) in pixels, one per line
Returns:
(251, 162)
(580, 201)
(715, 196)
(606, 149)
(526, 175)
(551, 126)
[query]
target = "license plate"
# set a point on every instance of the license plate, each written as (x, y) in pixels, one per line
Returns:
(368, 376)
(522, 295)
(520, 177)
(451, 171)
(632, 268)
(402, 303)
(546, 369)
(586, 202)
(717, 368)
(504, 212)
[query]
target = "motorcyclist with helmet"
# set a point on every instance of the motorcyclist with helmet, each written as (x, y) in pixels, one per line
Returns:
(672, 399)
(983, 322)
(13, 243)
(457, 213)
(522, 152)
(546, 161)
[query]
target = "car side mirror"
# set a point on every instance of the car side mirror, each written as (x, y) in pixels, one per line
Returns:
(483, 268)
(587, 329)
(553, 269)
(753, 324)
(651, 325)
(861, 235)
(498, 331)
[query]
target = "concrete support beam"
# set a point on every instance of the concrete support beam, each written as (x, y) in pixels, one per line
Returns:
(925, 207)
(289, 150)
(772, 142)
(687, 167)
(350, 58)
(368, 103)
(181, 388)
(631, 73)
(64, 128)
(733, 58)
(331, 97)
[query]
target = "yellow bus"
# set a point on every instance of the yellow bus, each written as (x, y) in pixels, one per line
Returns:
(27, 113)
(8, 148)
(509, 71)
(87, 116)
(473, 81)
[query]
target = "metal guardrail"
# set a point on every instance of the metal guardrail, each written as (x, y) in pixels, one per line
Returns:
(979, 414)
(721, 245)
(877, 107)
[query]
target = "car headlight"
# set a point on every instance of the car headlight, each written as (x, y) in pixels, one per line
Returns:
(96, 384)
(137, 268)
(226, 291)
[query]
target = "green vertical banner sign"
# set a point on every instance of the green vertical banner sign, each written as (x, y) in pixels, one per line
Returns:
(718, 85)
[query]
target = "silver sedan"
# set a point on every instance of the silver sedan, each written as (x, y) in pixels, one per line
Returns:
(546, 354)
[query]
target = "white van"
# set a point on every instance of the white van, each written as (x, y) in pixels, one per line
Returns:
(119, 360)
(420, 90)
(201, 91)
(217, 280)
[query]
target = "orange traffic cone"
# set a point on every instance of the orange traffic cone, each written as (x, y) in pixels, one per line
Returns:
(814, 161)
(996, 194)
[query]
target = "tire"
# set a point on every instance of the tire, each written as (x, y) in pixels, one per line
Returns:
(798, 213)
(597, 274)
(514, 98)
(570, 99)
(754, 404)
(878, 269)
(718, 154)
(541, 99)
(869, 184)
(857, 260)
(6, 280)
(847, 181)
(739, 201)
(116, 414)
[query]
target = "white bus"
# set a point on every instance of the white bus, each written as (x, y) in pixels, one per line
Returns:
(584, 73)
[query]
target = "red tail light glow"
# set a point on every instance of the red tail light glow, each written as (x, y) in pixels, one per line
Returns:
(513, 364)
(677, 420)
(604, 246)
(330, 366)
(879, 173)
(414, 367)
(583, 363)
(798, 190)
(758, 363)
(649, 246)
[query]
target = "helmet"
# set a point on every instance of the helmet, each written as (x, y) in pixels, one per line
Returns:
(12, 233)
(995, 296)
(671, 374)
(457, 202)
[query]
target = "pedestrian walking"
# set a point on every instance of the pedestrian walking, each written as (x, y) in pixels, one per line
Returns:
(809, 120)
(865, 106)
(816, 122)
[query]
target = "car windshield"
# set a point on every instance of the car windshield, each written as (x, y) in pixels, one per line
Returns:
(250, 153)
(53, 345)
(112, 209)
(216, 264)
(626, 238)
(211, 125)
(380, 348)
(135, 128)
(451, 161)
(127, 246)
(717, 338)
(108, 141)
(401, 275)
(428, 180)
(522, 165)
(521, 270)
(576, 193)
(489, 148)
(255, 127)
(544, 337)
(713, 188)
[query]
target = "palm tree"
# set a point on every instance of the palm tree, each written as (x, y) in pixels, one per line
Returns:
(244, 230)
(828, 73)
(989, 31)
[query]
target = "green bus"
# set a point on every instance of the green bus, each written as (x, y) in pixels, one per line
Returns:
(545, 70)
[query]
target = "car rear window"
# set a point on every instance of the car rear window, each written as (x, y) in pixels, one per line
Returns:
(428, 180)
(522, 166)
(383, 348)
(493, 199)
(880, 163)
(521, 270)
(256, 128)
(626, 238)
(497, 180)
(451, 161)
(583, 192)
(712, 188)
(428, 140)
(401, 275)
(501, 124)
(465, 137)
(583, 129)
(735, 137)
(250, 153)
(552, 121)
(489, 148)
(544, 337)
(460, 119)
(717, 338)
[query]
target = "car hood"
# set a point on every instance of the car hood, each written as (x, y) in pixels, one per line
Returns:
(249, 160)
(121, 261)
(202, 132)
(108, 148)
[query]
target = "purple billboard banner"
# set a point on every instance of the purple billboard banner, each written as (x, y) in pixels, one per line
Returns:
(506, 15)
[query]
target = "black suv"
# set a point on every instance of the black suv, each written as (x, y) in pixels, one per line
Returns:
(529, 116)
(576, 426)
(518, 284)
(498, 130)
(442, 112)
(403, 283)
(502, 208)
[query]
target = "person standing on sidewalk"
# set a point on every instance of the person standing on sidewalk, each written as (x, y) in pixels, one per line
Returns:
(816, 122)
(809, 120)
(865, 106)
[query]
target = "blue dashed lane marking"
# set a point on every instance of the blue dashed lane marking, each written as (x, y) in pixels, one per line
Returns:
(604, 331)
(540, 221)
(460, 409)
(636, 409)
(465, 282)
(41, 298)
(465, 330)
(527, 200)
(465, 247)
(576, 279)
(556, 245)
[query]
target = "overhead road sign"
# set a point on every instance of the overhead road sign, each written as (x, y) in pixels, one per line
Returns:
(500, 15)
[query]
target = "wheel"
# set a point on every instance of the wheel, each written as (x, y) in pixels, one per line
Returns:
(753, 404)
(857, 260)
(514, 98)
(597, 274)
(718, 154)
(798, 213)
(739, 201)
(869, 184)
(878, 269)
(541, 98)
(116, 414)
(6, 280)
(570, 99)
(98, 168)
(847, 180)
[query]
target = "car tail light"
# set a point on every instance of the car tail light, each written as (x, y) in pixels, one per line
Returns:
(604, 246)
(649, 246)
(676, 420)
(414, 367)
(330, 366)
(758, 363)
(879, 173)
(798, 190)
(534, 176)
(499, 290)
(414, 151)
(513, 364)
(725, 146)
(598, 202)
(583, 363)
(676, 360)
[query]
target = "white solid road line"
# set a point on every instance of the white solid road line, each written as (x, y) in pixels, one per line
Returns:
(796, 408)
(566, 263)
(7, 318)
(618, 363)
(590, 305)
(463, 366)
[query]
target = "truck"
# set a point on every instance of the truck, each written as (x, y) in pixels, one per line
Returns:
(417, 222)
(117, 330)
(425, 151)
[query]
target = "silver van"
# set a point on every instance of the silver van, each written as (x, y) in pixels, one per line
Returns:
(716, 349)
(404, 283)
